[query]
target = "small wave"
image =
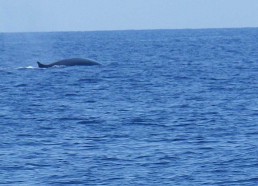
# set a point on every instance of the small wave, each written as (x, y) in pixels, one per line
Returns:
(59, 66)
(33, 67)
(28, 67)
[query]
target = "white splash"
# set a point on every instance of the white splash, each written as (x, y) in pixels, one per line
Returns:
(28, 67)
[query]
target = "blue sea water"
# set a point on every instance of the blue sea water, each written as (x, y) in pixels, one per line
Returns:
(166, 107)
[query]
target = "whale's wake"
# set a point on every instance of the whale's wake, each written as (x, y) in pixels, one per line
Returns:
(28, 67)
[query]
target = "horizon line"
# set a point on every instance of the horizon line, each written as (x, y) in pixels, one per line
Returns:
(121, 30)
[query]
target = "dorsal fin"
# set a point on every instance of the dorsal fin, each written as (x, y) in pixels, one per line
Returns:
(42, 65)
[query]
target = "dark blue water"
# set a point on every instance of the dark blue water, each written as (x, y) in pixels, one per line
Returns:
(168, 107)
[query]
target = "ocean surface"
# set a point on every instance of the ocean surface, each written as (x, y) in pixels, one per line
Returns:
(166, 107)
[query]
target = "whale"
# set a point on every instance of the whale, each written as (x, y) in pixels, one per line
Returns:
(69, 62)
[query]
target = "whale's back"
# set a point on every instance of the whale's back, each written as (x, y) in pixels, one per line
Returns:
(70, 62)
(76, 61)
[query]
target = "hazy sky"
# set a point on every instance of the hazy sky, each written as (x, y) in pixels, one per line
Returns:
(84, 15)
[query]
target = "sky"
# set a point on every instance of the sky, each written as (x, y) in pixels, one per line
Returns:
(93, 15)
